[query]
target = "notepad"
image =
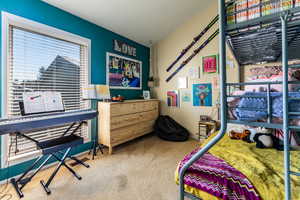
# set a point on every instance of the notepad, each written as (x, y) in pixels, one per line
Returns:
(100, 92)
(42, 102)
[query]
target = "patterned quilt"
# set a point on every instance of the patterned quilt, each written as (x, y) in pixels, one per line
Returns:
(212, 178)
(216, 177)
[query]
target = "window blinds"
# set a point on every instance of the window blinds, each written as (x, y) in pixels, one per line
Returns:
(42, 63)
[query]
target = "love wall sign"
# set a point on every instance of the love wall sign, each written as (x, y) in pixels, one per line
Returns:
(124, 48)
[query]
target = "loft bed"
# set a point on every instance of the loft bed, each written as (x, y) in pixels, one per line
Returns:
(269, 37)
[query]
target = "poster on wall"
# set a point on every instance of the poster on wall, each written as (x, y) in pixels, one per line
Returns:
(173, 98)
(210, 64)
(215, 82)
(185, 95)
(182, 82)
(123, 73)
(202, 94)
(193, 72)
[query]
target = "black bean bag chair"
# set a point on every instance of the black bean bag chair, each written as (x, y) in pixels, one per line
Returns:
(167, 128)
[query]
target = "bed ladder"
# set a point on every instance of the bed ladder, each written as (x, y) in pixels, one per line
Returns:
(286, 126)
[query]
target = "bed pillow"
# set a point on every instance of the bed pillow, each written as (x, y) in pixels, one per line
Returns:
(275, 87)
(294, 75)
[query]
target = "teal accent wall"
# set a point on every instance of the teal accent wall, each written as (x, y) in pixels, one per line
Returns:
(101, 41)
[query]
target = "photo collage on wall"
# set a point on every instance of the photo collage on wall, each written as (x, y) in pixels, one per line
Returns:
(200, 94)
(123, 72)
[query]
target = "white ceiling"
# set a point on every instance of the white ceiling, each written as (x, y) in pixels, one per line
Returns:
(140, 20)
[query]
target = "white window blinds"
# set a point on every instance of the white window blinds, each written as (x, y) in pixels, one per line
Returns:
(39, 62)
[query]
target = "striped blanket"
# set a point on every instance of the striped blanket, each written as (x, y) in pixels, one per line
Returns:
(214, 176)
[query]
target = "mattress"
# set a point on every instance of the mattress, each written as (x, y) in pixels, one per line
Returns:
(262, 169)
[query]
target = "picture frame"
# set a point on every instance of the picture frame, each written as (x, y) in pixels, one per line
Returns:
(202, 94)
(173, 98)
(210, 64)
(146, 94)
(123, 72)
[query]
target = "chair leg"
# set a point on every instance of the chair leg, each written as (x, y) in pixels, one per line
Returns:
(23, 181)
(79, 161)
(46, 185)
(76, 160)
(69, 168)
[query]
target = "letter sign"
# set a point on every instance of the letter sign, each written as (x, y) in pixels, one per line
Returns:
(124, 48)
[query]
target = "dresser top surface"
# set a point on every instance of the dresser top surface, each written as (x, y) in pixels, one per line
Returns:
(130, 101)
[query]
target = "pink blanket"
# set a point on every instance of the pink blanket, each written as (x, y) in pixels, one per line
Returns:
(214, 176)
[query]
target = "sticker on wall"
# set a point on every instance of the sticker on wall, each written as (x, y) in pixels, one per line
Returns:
(193, 72)
(215, 82)
(173, 98)
(123, 73)
(202, 95)
(229, 63)
(185, 96)
(182, 82)
(210, 64)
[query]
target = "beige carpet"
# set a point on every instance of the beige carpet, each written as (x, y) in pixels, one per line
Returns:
(139, 170)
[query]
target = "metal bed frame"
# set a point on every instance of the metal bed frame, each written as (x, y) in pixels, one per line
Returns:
(281, 18)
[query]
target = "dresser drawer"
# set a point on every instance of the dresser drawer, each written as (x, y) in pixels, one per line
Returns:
(128, 108)
(130, 119)
(122, 135)
(152, 105)
(119, 136)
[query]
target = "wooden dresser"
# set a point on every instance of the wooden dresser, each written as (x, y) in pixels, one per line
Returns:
(120, 122)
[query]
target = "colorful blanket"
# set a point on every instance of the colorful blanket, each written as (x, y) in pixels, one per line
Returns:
(216, 177)
(254, 109)
(262, 167)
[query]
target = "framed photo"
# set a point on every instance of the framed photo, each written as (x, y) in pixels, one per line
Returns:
(194, 72)
(123, 73)
(185, 95)
(146, 94)
(210, 64)
(202, 94)
(173, 98)
(182, 82)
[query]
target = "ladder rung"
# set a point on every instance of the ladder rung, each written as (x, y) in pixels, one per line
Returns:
(294, 127)
(295, 173)
(294, 113)
(247, 96)
(294, 66)
(294, 98)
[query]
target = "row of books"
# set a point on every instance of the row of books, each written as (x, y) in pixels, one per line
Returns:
(251, 9)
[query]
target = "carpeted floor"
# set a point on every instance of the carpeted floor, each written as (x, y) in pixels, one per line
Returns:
(139, 170)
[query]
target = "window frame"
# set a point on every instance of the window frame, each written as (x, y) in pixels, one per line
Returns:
(30, 25)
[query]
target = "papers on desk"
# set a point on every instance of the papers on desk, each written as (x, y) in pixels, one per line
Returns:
(100, 92)
(41, 102)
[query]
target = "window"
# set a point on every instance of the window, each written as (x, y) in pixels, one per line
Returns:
(38, 61)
